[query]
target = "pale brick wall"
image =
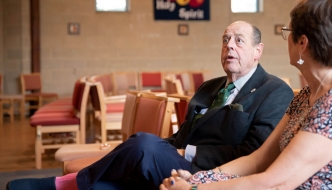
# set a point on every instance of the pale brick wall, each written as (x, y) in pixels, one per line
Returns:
(134, 41)
(12, 41)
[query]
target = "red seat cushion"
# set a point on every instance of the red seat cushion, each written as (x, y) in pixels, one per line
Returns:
(46, 95)
(115, 107)
(53, 114)
(51, 121)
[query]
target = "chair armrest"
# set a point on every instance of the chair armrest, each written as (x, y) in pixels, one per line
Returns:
(172, 99)
(76, 151)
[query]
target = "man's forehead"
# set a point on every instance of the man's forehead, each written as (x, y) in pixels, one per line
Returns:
(240, 28)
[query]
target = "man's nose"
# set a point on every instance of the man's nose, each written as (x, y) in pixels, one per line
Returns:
(231, 44)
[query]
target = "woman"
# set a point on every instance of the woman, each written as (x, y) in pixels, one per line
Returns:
(297, 155)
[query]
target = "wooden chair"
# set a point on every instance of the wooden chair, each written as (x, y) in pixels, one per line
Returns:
(186, 81)
(7, 104)
(108, 112)
(107, 82)
(32, 90)
(152, 81)
(173, 86)
(197, 78)
(71, 124)
(152, 115)
(181, 107)
(124, 82)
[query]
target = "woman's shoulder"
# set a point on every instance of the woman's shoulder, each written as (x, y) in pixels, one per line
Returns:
(298, 100)
(324, 103)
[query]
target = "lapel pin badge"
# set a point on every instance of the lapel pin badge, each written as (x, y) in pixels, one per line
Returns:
(253, 90)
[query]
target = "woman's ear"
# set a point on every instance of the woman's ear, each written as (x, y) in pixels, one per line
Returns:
(303, 43)
(258, 51)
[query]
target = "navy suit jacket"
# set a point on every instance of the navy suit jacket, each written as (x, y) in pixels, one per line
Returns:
(224, 134)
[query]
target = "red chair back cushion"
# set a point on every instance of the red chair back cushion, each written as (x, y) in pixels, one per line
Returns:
(151, 79)
(149, 116)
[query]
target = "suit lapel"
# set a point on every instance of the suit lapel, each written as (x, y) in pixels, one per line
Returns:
(255, 81)
(204, 101)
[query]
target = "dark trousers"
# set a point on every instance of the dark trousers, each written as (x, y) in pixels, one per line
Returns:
(141, 162)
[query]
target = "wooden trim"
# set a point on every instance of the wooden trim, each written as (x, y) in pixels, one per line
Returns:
(35, 35)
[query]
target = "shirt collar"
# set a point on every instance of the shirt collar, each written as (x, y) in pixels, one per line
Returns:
(239, 83)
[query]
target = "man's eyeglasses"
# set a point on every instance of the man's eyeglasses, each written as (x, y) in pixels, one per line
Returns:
(285, 32)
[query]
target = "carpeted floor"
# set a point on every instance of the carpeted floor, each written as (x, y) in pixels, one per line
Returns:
(7, 176)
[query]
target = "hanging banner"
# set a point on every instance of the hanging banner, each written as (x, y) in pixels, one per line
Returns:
(181, 9)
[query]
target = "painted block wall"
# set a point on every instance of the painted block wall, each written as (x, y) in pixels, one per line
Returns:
(134, 41)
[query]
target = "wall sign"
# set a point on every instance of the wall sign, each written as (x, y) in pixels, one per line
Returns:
(74, 28)
(183, 29)
(181, 9)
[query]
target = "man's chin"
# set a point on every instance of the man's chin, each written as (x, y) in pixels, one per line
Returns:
(231, 67)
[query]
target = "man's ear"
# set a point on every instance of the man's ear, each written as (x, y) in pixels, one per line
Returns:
(258, 51)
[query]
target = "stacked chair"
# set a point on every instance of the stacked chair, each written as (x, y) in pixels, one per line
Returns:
(151, 114)
(174, 89)
(181, 107)
(108, 109)
(66, 118)
(108, 113)
(61, 122)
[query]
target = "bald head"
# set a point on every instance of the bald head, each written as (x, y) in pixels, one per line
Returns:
(241, 49)
(255, 32)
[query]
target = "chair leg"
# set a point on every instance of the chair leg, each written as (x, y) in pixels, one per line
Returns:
(78, 137)
(103, 133)
(22, 110)
(38, 147)
(11, 110)
(40, 102)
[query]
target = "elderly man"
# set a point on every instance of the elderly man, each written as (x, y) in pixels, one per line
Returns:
(228, 117)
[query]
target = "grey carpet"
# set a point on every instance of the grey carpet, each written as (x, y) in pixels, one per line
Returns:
(7, 176)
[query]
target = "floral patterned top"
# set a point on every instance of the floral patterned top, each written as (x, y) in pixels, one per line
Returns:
(317, 119)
